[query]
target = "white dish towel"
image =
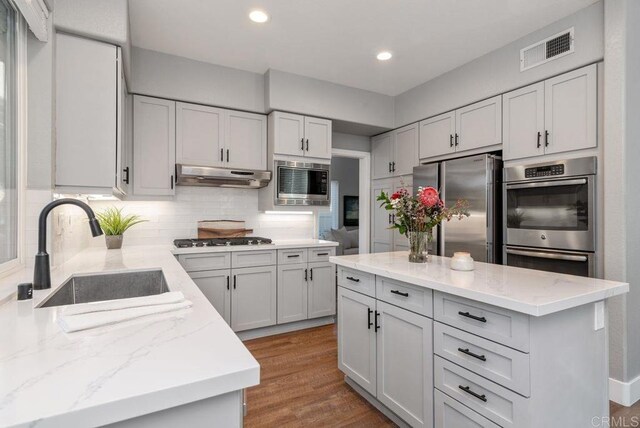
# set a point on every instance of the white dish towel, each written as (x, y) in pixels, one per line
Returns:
(84, 316)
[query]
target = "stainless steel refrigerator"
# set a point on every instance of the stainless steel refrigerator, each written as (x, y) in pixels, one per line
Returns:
(477, 180)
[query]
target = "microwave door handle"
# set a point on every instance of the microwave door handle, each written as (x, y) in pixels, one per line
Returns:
(555, 183)
(553, 256)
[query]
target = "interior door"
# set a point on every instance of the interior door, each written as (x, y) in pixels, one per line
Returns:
(405, 150)
(154, 149)
(381, 155)
(479, 125)
(357, 338)
(523, 122)
(437, 135)
(289, 134)
(322, 289)
(253, 303)
(246, 140)
(317, 134)
(199, 135)
(216, 286)
(292, 292)
(381, 235)
(571, 110)
(405, 363)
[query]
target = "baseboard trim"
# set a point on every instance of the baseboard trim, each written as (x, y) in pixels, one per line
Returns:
(285, 328)
(375, 403)
(624, 393)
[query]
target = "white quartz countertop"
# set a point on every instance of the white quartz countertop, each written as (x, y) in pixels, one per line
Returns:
(50, 378)
(528, 291)
(275, 245)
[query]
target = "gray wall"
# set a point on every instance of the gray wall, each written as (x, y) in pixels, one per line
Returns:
(621, 153)
(499, 71)
(300, 94)
(345, 171)
(169, 76)
(40, 111)
(106, 20)
(350, 142)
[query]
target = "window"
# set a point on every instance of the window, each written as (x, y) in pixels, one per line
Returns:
(9, 146)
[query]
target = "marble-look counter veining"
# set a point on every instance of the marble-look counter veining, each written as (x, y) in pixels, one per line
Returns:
(523, 290)
(275, 245)
(112, 373)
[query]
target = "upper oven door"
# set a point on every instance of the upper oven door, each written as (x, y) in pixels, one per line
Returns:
(302, 184)
(551, 213)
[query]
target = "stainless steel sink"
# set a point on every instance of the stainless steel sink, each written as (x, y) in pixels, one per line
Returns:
(107, 286)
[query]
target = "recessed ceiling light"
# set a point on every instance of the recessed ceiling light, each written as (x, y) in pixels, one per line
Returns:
(258, 16)
(384, 56)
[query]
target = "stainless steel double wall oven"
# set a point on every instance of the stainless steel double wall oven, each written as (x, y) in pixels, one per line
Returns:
(550, 216)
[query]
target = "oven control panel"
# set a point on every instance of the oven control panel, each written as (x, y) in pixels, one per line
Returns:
(544, 171)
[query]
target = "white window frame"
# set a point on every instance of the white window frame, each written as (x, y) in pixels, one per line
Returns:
(21, 141)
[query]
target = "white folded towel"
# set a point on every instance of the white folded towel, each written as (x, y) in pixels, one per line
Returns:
(78, 321)
(133, 302)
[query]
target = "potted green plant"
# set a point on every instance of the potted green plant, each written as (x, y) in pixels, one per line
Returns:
(114, 224)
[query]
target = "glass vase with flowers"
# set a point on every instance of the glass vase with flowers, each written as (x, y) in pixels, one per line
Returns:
(416, 216)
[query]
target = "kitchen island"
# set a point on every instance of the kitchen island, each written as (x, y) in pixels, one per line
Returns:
(180, 368)
(497, 346)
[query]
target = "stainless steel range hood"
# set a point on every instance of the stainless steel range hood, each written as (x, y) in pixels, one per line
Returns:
(188, 175)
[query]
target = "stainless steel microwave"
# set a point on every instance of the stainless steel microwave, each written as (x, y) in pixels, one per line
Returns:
(301, 183)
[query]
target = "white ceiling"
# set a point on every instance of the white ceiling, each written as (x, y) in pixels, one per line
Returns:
(337, 40)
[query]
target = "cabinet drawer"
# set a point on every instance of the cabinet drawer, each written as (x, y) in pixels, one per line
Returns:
(321, 254)
(503, 365)
(208, 261)
(407, 296)
(292, 256)
(449, 413)
(496, 403)
(493, 323)
(241, 259)
(356, 280)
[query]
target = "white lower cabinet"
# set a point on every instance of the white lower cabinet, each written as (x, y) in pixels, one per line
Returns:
(322, 290)
(215, 285)
(292, 292)
(254, 298)
(405, 357)
(388, 351)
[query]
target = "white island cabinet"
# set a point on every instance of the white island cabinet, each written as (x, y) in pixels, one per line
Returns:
(496, 347)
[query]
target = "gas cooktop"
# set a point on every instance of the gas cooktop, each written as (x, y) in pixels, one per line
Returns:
(220, 242)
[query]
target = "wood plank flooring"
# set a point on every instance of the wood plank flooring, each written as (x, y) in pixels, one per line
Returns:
(301, 386)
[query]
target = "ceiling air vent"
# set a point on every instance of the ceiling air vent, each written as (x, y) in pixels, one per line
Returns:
(546, 50)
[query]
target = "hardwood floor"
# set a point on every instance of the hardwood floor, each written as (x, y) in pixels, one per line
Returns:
(302, 386)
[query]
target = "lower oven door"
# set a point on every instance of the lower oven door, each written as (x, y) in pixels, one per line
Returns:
(568, 262)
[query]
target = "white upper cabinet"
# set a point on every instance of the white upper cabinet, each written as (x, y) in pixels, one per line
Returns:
(554, 116)
(245, 140)
(437, 135)
(405, 150)
(395, 153)
(479, 125)
(124, 157)
(571, 110)
(154, 148)
(87, 109)
(381, 155)
(199, 135)
(297, 135)
(472, 127)
(523, 122)
(317, 137)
